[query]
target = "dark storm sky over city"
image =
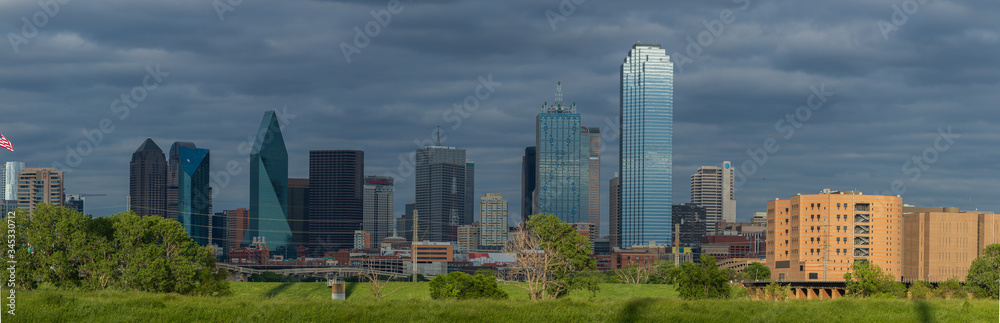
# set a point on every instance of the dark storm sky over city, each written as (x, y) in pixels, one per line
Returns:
(895, 80)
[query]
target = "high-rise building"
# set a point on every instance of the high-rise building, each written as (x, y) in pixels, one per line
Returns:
(218, 235)
(440, 192)
(469, 237)
(8, 174)
(712, 188)
(191, 165)
(336, 199)
(470, 192)
(529, 173)
(493, 220)
(404, 225)
(74, 202)
(269, 191)
(173, 173)
(819, 236)
(362, 239)
(298, 210)
(614, 212)
(646, 145)
(237, 222)
(594, 172)
(40, 185)
(689, 220)
(147, 188)
(378, 191)
(563, 159)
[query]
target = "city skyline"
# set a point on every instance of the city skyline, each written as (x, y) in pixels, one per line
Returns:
(923, 91)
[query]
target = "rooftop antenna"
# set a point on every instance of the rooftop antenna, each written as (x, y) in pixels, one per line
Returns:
(439, 136)
(558, 94)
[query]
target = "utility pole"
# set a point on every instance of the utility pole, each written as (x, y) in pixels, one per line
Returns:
(413, 247)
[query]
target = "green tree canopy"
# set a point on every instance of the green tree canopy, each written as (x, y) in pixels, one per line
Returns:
(702, 280)
(757, 271)
(562, 239)
(459, 285)
(124, 251)
(867, 280)
(984, 274)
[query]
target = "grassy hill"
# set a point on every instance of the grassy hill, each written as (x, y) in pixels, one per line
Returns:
(310, 302)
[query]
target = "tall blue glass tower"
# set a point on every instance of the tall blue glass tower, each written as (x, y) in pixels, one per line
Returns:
(194, 206)
(646, 145)
(269, 190)
(563, 161)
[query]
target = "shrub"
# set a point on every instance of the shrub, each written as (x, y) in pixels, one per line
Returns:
(867, 280)
(985, 272)
(703, 280)
(459, 285)
(920, 290)
(951, 288)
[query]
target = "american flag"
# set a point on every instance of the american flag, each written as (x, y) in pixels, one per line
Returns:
(4, 143)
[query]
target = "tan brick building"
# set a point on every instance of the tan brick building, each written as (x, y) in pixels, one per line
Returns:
(39, 185)
(941, 243)
(819, 236)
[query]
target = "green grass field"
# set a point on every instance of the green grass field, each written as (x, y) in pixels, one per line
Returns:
(310, 302)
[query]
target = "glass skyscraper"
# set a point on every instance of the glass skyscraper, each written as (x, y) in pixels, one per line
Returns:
(193, 205)
(563, 161)
(336, 199)
(646, 145)
(9, 177)
(269, 190)
(148, 180)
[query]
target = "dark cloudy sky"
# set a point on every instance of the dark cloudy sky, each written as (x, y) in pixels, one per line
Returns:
(895, 84)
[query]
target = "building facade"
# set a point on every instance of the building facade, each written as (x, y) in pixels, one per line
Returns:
(563, 159)
(689, 220)
(336, 199)
(362, 239)
(470, 192)
(441, 192)
(529, 173)
(194, 207)
(614, 212)
(147, 189)
(298, 210)
(819, 236)
(404, 224)
(9, 176)
(40, 185)
(469, 237)
(712, 188)
(237, 223)
(646, 145)
(268, 220)
(942, 244)
(594, 182)
(378, 194)
(493, 217)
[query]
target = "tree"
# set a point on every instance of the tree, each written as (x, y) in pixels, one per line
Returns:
(549, 256)
(664, 272)
(459, 285)
(703, 280)
(951, 288)
(920, 290)
(984, 274)
(867, 280)
(70, 250)
(633, 274)
(378, 284)
(757, 272)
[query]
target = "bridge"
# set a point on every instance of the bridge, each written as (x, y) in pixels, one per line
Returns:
(807, 289)
(236, 272)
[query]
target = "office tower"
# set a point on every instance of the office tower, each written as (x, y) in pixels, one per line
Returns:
(614, 212)
(645, 160)
(40, 185)
(563, 158)
(493, 220)
(529, 173)
(378, 192)
(74, 202)
(594, 172)
(269, 190)
(9, 176)
(218, 235)
(147, 188)
(238, 222)
(298, 210)
(819, 236)
(336, 199)
(469, 237)
(404, 225)
(173, 160)
(192, 207)
(712, 188)
(689, 220)
(440, 192)
(470, 192)
(7, 206)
